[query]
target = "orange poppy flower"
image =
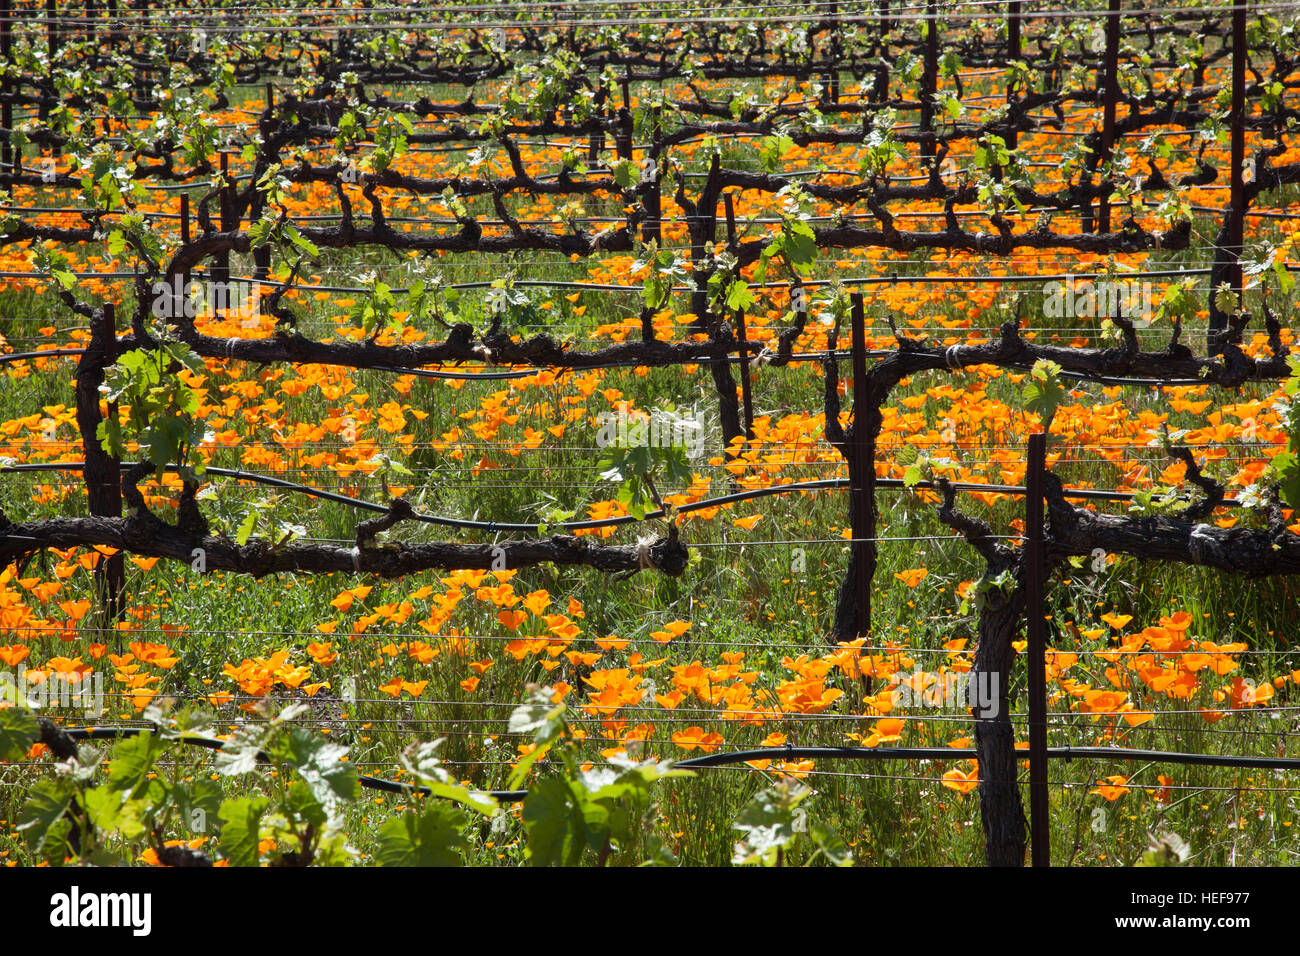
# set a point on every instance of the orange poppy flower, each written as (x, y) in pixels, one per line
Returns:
(912, 576)
(961, 782)
(1113, 790)
(693, 737)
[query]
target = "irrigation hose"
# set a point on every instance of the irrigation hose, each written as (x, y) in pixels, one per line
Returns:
(788, 753)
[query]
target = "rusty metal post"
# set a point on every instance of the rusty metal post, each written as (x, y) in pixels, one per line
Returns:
(746, 395)
(1110, 97)
(115, 569)
(262, 255)
(1237, 124)
(139, 26)
(52, 31)
(930, 79)
(229, 198)
(6, 110)
(1013, 54)
(652, 228)
(880, 85)
(596, 142)
(730, 210)
(1040, 826)
(101, 471)
(833, 78)
(1013, 30)
(220, 271)
(862, 473)
(625, 126)
(178, 306)
(55, 42)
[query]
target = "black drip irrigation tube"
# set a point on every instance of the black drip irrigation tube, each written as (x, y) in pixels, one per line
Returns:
(491, 527)
(787, 752)
(1089, 377)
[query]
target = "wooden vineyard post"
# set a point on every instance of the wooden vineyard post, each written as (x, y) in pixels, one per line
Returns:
(862, 475)
(1109, 100)
(101, 472)
(1237, 125)
(1040, 831)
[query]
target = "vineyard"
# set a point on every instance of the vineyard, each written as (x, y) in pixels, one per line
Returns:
(610, 433)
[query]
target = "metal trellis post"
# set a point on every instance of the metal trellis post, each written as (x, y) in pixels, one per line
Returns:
(862, 472)
(1110, 98)
(1040, 832)
(1237, 123)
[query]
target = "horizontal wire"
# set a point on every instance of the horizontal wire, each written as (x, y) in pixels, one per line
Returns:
(148, 24)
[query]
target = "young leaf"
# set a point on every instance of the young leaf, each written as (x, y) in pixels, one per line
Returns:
(1044, 392)
(431, 838)
(242, 831)
(246, 527)
(558, 823)
(19, 729)
(46, 803)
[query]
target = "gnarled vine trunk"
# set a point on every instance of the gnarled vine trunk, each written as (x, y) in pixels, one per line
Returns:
(1001, 810)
